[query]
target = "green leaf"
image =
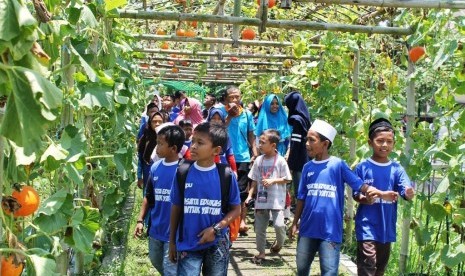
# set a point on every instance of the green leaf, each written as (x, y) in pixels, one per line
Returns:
(42, 266)
(9, 27)
(97, 95)
(88, 17)
(74, 141)
(52, 204)
(21, 158)
(73, 174)
(29, 108)
(435, 210)
(445, 52)
(113, 4)
(87, 68)
(83, 238)
(451, 256)
(53, 157)
(51, 224)
(443, 185)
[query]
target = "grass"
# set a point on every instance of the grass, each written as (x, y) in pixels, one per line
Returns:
(137, 259)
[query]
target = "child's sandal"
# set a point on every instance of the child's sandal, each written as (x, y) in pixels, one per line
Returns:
(257, 260)
(274, 248)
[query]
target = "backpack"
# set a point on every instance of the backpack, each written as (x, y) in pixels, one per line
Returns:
(225, 174)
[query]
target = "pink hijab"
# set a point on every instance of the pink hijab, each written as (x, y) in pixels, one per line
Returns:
(194, 113)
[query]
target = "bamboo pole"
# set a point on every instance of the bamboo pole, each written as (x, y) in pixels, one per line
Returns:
(195, 76)
(421, 4)
(352, 147)
(202, 80)
(230, 62)
(280, 24)
(407, 215)
(235, 31)
(214, 40)
(225, 54)
(220, 70)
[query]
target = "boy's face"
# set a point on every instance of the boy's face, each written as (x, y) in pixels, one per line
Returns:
(208, 102)
(315, 147)
(152, 111)
(382, 144)
(163, 149)
(187, 131)
(156, 121)
(202, 147)
(265, 146)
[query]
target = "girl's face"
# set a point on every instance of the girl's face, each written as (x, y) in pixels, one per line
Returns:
(187, 131)
(274, 107)
(167, 103)
(156, 121)
(216, 119)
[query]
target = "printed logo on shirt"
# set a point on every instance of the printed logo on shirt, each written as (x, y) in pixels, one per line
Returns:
(310, 174)
(321, 190)
(189, 185)
(202, 206)
(162, 195)
(368, 181)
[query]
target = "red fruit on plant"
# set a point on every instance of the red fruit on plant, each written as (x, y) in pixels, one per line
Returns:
(233, 59)
(190, 33)
(193, 24)
(165, 46)
(248, 34)
(180, 32)
(271, 3)
(416, 53)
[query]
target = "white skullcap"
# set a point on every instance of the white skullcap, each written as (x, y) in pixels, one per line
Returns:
(157, 129)
(324, 129)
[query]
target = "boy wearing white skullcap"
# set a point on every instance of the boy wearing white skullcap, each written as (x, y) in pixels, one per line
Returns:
(320, 202)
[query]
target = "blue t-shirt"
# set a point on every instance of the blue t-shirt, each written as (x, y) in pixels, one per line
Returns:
(143, 123)
(321, 188)
(225, 152)
(238, 131)
(202, 204)
(377, 222)
(160, 181)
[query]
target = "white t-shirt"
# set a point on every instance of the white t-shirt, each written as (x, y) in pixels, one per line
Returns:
(263, 169)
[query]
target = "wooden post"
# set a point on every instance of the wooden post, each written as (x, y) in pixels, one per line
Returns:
(406, 209)
(421, 4)
(280, 24)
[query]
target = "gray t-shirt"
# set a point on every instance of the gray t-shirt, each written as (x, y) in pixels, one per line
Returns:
(263, 169)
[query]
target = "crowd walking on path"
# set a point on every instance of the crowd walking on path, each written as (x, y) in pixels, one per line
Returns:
(202, 170)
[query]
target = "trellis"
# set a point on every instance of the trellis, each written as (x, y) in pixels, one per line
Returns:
(263, 22)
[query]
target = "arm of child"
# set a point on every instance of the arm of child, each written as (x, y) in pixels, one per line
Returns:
(271, 181)
(298, 212)
(174, 221)
(208, 234)
(252, 189)
(140, 219)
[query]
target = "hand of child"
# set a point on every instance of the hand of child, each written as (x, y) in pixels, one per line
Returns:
(140, 183)
(267, 182)
(389, 195)
(247, 200)
(139, 230)
(369, 200)
(372, 192)
(207, 235)
(172, 252)
(292, 231)
(409, 193)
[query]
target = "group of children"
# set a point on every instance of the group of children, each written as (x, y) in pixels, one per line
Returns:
(189, 206)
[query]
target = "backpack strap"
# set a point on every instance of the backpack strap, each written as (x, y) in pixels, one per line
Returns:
(181, 176)
(225, 174)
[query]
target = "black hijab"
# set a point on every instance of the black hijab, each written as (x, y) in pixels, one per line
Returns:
(298, 112)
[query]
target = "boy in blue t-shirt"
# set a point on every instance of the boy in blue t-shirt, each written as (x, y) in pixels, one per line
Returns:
(203, 242)
(170, 140)
(320, 202)
(375, 221)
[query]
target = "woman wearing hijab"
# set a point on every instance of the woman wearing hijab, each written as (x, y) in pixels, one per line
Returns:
(299, 119)
(191, 111)
(226, 156)
(273, 116)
